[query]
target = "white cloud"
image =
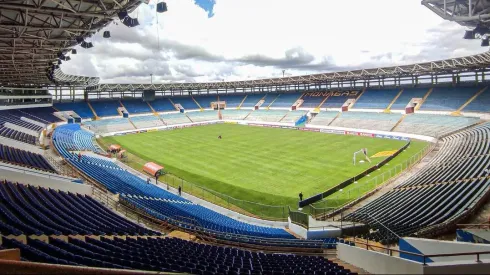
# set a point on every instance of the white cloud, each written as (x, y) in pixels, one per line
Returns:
(255, 38)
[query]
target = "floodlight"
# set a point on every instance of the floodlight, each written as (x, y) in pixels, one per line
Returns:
(122, 14)
(469, 34)
(161, 7)
(485, 42)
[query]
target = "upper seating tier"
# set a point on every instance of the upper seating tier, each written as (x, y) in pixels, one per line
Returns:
(376, 99)
(406, 96)
(448, 99)
(106, 107)
(134, 106)
(81, 108)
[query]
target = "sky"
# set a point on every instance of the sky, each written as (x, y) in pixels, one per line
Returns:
(228, 40)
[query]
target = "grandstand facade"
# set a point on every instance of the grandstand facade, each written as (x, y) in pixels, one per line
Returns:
(66, 202)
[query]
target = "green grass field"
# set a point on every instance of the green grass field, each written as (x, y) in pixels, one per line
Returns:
(264, 165)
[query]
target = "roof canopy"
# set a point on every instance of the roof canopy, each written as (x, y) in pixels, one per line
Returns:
(153, 168)
(35, 34)
(115, 147)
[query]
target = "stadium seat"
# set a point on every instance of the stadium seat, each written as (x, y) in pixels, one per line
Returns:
(440, 192)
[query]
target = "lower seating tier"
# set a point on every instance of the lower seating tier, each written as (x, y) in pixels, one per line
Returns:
(35, 211)
(169, 255)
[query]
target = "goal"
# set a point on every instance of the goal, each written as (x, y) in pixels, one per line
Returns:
(363, 156)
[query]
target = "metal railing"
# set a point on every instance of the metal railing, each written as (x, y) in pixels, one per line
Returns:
(252, 209)
(248, 208)
(359, 190)
(423, 257)
(190, 225)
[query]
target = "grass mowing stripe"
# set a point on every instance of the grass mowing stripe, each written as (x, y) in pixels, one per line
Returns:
(266, 165)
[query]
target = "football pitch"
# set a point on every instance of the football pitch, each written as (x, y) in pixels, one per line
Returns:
(264, 165)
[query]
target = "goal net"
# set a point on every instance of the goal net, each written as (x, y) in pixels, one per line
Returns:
(361, 155)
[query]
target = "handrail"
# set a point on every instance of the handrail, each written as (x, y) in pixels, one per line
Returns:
(32, 171)
(241, 240)
(423, 256)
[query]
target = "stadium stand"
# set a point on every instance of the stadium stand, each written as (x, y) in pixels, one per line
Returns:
(251, 100)
(170, 255)
(434, 125)
(367, 120)
(175, 118)
(324, 118)
(205, 100)
(42, 114)
(235, 114)
(448, 187)
(24, 158)
(312, 101)
(19, 136)
(376, 99)
(203, 116)
(480, 104)
(109, 125)
(232, 101)
(269, 98)
(146, 121)
(36, 210)
(106, 107)
(293, 116)
(81, 108)
(134, 106)
(285, 100)
(267, 115)
(335, 101)
(187, 102)
(162, 105)
(15, 117)
(406, 96)
(448, 99)
(151, 199)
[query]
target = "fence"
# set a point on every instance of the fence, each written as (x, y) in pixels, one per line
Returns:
(358, 190)
(253, 209)
(299, 218)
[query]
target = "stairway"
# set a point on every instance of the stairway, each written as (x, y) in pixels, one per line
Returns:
(424, 99)
(268, 106)
(357, 99)
(321, 103)
(241, 103)
(173, 104)
(387, 110)
(334, 118)
(458, 111)
(398, 123)
(197, 103)
(93, 110)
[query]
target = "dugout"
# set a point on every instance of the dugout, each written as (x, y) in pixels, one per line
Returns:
(114, 148)
(153, 169)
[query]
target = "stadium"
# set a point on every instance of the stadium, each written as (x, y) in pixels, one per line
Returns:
(377, 170)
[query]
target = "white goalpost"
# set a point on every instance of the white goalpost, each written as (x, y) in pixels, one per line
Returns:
(363, 152)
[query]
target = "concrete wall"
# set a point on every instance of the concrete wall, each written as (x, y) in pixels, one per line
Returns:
(297, 229)
(376, 262)
(37, 178)
(458, 267)
(427, 247)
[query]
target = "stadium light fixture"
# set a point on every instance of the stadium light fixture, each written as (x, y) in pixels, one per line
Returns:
(161, 7)
(485, 42)
(469, 34)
